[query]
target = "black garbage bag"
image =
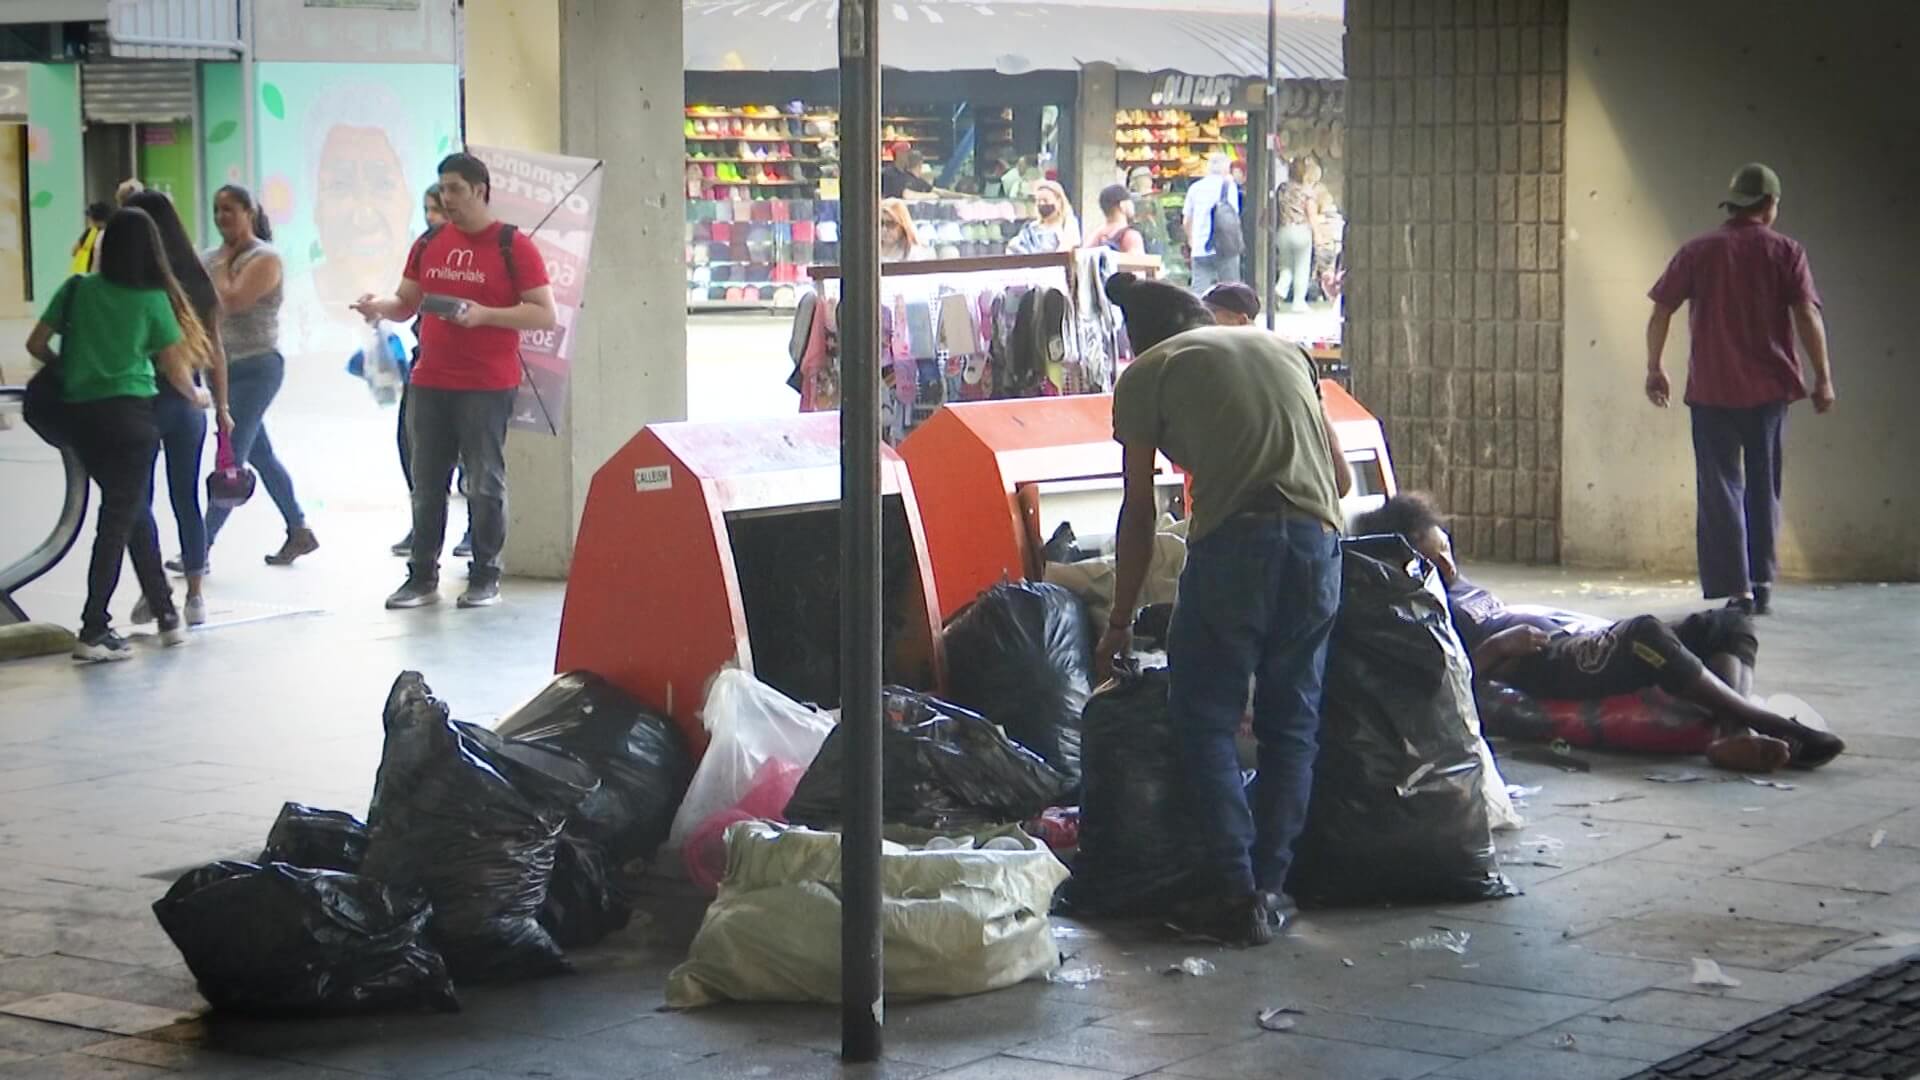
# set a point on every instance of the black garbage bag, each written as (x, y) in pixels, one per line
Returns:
(640, 756)
(473, 824)
(1137, 856)
(288, 939)
(1021, 655)
(942, 766)
(1398, 814)
(316, 839)
(583, 903)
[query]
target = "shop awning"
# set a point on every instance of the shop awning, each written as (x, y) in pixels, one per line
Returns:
(1209, 37)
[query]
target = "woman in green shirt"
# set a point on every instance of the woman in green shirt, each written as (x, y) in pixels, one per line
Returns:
(117, 327)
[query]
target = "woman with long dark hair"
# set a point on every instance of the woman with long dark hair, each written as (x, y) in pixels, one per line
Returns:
(246, 274)
(183, 424)
(116, 327)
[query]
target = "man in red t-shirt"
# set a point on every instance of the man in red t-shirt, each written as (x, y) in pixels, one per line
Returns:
(1751, 290)
(479, 285)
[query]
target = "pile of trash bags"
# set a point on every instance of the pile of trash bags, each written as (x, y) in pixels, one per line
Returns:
(485, 855)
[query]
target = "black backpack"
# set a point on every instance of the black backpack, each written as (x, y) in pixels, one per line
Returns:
(1228, 242)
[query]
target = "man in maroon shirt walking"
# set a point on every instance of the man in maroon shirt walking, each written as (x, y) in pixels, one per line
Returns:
(1751, 290)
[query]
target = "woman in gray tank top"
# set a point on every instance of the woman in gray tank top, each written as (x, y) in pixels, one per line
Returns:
(247, 273)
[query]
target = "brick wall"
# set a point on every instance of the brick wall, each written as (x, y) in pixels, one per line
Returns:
(1455, 119)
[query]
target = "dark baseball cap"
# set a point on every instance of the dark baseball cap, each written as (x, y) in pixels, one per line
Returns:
(1750, 186)
(1235, 297)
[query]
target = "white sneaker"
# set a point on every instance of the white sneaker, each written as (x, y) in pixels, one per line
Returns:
(195, 610)
(173, 631)
(101, 648)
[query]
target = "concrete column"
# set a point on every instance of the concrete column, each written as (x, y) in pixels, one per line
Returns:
(601, 79)
(1093, 165)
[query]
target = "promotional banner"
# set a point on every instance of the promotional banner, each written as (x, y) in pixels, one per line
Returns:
(553, 200)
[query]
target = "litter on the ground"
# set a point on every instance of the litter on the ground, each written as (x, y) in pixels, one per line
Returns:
(1566, 1041)
(1683, 776)
(1196, 966)
(1469, 967)
(1453, 941)
(1278, 1018)
(1707, 973)
(1078, 975)
(1523, 791)
(1879, 837)
(1609, 800)
(1751, 809)
(1344, 962)
(1760, 781)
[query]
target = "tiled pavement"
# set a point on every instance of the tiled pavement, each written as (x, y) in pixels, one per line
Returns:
(113, 780)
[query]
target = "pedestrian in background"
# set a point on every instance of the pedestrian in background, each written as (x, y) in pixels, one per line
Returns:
(1212, 222)
(85, 247)
(1297, 207)
(480, 282)
(116, 327)
(182, 423)
(1118, 231)
(248, 275)
(1750, 290)
(1054, 229)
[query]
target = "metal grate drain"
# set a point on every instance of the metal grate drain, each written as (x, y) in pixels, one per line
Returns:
(1868, 1028)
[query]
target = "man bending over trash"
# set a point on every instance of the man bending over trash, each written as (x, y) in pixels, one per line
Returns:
(1706, 658)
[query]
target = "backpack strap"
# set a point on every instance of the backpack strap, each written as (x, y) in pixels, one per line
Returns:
(420, 246)
(507, 233)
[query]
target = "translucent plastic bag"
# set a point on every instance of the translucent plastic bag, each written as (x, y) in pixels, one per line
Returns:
(748, 724)
(381, 361)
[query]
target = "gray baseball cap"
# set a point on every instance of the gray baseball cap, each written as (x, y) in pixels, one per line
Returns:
(1752, 184)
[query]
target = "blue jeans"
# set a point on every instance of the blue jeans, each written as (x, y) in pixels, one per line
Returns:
(252, 383)
(1211, 270)
(1257, 603)
(1738, 464)
(183, 437)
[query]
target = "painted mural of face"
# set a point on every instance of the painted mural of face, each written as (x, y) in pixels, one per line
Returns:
(362, 211)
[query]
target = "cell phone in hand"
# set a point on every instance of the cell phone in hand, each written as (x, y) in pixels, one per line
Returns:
(447, 307)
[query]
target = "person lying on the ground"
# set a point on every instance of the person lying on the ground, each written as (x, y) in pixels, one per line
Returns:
(1706, 658)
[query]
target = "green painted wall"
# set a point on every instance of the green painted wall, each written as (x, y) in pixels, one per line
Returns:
(222, 104)
(56, 202)
(167, 165)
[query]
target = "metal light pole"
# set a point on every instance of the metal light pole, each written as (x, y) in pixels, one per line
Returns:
(1270, 221)
(861, 983)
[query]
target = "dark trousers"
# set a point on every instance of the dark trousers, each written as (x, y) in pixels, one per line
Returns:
(467, 427)
(117, 442)
(183, 439)
(252, 384)
(1737, 464)
(1632, 655)
(1257, 602)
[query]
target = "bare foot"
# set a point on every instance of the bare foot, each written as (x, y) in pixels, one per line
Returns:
(1749, 753)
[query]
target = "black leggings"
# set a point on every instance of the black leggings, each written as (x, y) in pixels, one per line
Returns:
(1632, 655)
(117, 441)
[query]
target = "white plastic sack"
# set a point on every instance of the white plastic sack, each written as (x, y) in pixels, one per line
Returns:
(956, 920)
(749, 723)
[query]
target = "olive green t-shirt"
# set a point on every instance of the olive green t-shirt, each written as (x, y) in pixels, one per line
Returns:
(112, 334)
(1239, 409)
